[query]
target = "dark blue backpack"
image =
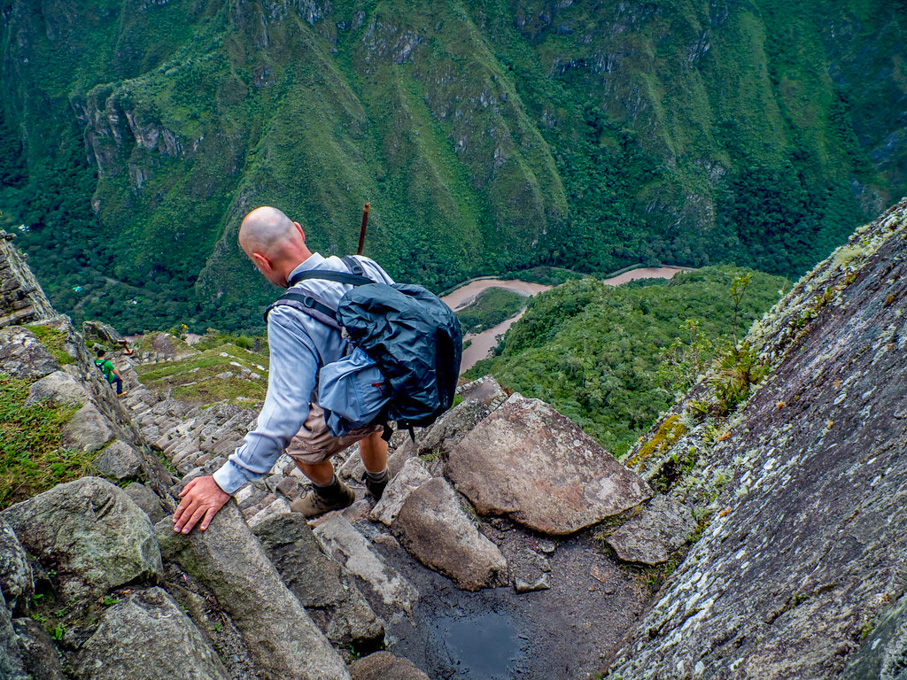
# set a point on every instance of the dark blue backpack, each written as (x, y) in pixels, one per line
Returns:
(413, 338)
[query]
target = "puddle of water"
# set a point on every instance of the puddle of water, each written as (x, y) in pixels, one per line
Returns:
(480, 646)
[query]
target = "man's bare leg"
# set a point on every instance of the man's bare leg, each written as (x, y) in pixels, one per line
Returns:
(373, 451)
(321, 473)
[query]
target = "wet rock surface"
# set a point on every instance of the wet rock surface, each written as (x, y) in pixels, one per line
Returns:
(530, 463)
(90, 532)
(150, 623)
(650, 537)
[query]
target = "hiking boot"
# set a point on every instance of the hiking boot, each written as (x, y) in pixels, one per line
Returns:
(317, 502)
(375, 483)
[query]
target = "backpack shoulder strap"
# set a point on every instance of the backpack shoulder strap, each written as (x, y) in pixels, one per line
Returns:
(327, 275)
(310, 304)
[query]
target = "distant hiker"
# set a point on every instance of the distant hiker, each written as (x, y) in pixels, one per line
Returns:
(290, 420)
(109, 370)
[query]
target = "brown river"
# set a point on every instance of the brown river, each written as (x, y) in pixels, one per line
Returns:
(482, 343)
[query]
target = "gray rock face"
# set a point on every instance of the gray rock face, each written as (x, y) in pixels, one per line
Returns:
(528, 461)
(331, 599)
(87, 430)
(229, 560)
(39, 656)
(654, 534)
(147, 500)
(808, 548)
(91, 533)
(11, 665)
(434, 528)
(411, 476)
(883, 654)
(385, 666)
(120, 461)
(22, 356)
(351, 549)
(16, 580)
(58, 388)
(147, 637)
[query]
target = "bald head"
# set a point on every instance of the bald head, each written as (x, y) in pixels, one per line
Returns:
(273, 242)
(267, 230)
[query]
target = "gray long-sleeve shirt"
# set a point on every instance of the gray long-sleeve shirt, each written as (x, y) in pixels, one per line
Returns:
(299, 346)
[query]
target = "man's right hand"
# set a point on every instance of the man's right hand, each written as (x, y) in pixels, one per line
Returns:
(202, 498)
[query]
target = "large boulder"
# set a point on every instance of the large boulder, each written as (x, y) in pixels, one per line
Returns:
(229, 560)
(58, 388)
(16, 579)
(88, 430)
(433, 527)
(22, 356)
(410, 477)
(147, 637)
(329, 596)
(385, 666)
(91, 533)
(147, 500)
(119, 461)
(528, 461)
(651, 536)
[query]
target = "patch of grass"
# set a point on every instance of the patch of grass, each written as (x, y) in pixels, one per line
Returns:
(54, 340)
(31, 457)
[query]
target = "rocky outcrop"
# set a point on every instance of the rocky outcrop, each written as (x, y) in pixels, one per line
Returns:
(148, 622)
(21, 298)
(229, 560)
(23, 356)
(434, 528)
(529, 462)
(92, 534)
(804, 551)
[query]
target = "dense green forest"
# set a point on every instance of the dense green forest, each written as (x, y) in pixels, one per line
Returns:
(598, 353)
(490, 138)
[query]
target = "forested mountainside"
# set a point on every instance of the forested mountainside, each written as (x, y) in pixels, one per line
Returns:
(488, 136)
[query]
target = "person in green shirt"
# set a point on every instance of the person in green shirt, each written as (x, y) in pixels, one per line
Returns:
(109, 370)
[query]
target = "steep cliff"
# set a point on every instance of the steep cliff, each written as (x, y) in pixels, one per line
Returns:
(488, 136)
(799, 572)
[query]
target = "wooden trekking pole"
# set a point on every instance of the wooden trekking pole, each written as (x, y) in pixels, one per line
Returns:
(362, 228)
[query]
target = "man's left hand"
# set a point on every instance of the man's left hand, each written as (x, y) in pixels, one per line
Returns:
(202, 498)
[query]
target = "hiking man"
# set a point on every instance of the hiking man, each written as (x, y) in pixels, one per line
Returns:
(289, 420)
(109, 370)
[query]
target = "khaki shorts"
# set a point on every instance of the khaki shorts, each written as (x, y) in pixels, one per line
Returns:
(315, 444)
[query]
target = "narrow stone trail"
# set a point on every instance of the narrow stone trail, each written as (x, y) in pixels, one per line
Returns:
(509, 602)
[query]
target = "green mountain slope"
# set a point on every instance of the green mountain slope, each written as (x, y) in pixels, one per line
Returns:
(488, 136)
(594, 351)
